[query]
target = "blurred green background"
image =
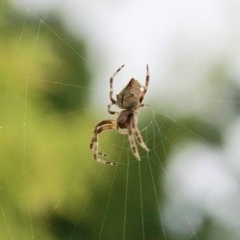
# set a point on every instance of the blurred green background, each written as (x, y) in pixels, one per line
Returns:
(50, 187)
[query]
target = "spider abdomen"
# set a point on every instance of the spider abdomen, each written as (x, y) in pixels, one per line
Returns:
(128, 98)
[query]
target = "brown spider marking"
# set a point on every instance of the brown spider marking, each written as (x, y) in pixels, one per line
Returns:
(129, 100)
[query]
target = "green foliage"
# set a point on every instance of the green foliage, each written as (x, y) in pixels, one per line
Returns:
(43, 146)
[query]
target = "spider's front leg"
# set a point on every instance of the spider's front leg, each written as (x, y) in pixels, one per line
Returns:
(101, 126)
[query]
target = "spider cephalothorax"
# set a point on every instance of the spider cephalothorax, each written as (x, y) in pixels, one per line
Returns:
(124, 119)
(130, 100)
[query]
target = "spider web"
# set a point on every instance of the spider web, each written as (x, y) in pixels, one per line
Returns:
(186, 187)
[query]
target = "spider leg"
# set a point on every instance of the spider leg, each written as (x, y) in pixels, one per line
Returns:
(132, 142)
(110, 111)
(111, 85)
(101, 126)
(96, 131)
(140, 140)
(103, 123)
(145, 88)
(138, 135)
(143, 105)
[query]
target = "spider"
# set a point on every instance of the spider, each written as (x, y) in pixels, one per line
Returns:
(129, 100)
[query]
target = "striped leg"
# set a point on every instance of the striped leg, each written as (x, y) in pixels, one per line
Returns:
(145, 88)
(132, 143)
(138, 135)
(101, 126)
(110, 111)
(140, 140)
(111, 85)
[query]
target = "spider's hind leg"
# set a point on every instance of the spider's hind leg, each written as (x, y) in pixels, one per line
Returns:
(145, 87)
(110, 111)
(111, 85)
